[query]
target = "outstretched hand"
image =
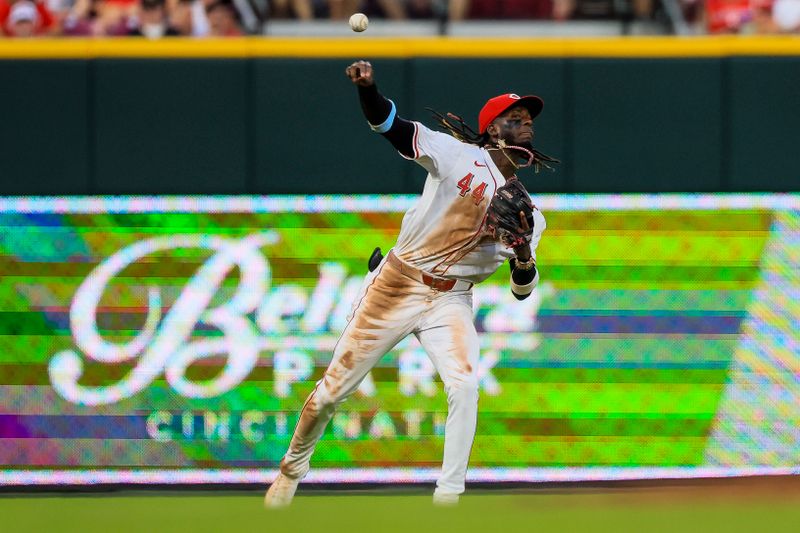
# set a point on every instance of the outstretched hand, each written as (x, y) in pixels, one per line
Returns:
(360, 73)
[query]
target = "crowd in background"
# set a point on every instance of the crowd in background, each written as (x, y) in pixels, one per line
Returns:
(223, 18)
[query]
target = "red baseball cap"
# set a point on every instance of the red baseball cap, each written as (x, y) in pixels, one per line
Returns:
(497, 106)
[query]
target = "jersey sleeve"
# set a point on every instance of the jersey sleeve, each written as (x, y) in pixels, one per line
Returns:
(435, 151)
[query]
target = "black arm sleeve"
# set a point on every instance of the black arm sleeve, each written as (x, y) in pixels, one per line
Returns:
(520, 277)
(376, 108)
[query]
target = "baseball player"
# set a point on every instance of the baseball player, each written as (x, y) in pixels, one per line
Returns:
(473, 215)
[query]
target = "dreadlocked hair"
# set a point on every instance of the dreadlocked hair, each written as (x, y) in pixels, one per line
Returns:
(459, 129)
(541, 161)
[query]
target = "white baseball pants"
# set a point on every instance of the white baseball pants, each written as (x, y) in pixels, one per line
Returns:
(391, 305)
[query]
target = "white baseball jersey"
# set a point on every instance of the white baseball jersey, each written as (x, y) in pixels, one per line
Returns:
(442, 233)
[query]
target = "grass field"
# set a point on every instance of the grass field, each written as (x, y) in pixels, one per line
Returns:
(753, 505)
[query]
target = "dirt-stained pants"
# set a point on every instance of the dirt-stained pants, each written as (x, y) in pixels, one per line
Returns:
(388, 307)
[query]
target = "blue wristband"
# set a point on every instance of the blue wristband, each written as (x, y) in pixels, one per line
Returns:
(386, 124)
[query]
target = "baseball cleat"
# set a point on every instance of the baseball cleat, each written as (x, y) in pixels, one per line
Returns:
(444, 499)
(281, 492)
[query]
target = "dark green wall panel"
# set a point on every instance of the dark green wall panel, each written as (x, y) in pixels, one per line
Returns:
(311, 136)
(764, 124)
(44, 144)
(273, 126)
(646, 125)
(462, 86)
(171, 126)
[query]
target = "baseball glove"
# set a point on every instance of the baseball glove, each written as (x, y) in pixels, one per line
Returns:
(503, 220)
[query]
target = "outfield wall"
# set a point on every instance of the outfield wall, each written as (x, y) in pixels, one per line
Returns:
(277, 116)
(174, 339)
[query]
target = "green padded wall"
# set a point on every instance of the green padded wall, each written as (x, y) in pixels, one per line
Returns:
(310, 134)
(278, 126)
(44, 144)
(764, 124)
(646, 125)
(171, 126)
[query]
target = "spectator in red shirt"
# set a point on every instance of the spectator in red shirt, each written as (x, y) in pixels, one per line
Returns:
(727, 16)
(29, 18)
(22, 19)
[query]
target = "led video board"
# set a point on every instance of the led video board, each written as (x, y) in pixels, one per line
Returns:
(174, 339)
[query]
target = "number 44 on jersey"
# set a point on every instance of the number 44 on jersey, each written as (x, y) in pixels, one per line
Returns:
(465, 184)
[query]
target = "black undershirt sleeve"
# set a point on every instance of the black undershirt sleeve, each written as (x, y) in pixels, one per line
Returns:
(376, 108)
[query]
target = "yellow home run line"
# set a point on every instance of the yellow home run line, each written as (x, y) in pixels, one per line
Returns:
(365, 47)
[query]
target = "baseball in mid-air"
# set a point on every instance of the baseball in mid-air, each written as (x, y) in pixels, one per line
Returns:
(359, 22)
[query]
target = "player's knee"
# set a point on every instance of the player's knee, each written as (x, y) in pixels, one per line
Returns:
(323, 400)
(463, 391)
(329, 395)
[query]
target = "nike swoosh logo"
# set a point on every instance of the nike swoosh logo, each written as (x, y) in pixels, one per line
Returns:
(479, 165)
